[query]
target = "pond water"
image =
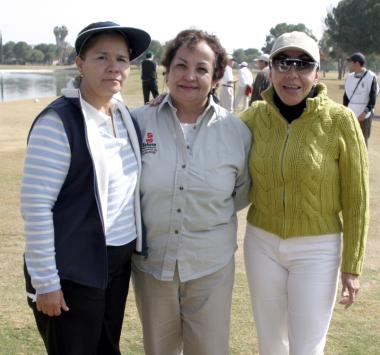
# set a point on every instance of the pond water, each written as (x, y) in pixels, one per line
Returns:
(22, 85)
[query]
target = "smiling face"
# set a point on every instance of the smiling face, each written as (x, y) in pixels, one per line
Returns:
(104, 66)
(190, 75)
(293, 86)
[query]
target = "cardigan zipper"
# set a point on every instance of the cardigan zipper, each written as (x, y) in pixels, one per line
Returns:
(282, 174)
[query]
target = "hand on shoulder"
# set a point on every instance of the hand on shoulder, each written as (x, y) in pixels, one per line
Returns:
(156, 101)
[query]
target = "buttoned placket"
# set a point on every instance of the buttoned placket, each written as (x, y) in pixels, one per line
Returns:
(178, 210)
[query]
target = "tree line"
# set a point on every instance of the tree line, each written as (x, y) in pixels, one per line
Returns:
(21, 52)
(351, 26)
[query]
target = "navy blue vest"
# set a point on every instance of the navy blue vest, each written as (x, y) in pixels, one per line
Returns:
(81, 254)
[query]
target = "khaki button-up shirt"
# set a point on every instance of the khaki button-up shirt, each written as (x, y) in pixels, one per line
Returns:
(191, 189)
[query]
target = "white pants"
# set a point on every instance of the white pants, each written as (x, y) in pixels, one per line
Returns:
(293, 286)
(193, 316)
(239, 96)
(226, 99)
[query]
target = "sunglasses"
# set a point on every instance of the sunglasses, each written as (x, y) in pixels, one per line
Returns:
(284, 65)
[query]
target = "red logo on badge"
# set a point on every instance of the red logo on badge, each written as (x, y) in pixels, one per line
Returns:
(149, 137)
(149, 146)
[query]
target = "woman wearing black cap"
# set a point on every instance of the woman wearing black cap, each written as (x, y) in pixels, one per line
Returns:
(80, 199)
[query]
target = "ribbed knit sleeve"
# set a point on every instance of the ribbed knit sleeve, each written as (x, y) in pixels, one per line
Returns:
(353, 166)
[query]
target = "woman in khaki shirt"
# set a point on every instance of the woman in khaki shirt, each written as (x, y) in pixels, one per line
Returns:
(194, 177)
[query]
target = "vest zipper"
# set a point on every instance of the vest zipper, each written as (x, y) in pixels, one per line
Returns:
(97, 199)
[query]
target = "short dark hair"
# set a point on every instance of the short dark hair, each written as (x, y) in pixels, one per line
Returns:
(191, 37)
(357, 57)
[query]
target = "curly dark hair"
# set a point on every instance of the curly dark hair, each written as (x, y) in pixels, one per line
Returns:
(191, 37)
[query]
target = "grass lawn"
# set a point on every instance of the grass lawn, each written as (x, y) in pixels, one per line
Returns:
(352, 332)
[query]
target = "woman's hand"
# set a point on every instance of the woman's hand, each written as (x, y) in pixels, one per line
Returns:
(156, 101)
(350, 288)
(51, 303)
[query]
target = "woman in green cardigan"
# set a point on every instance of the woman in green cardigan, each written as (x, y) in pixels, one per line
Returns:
(309, 172)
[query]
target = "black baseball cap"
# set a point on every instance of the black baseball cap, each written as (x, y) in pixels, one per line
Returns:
(357, 57)
(138, 40)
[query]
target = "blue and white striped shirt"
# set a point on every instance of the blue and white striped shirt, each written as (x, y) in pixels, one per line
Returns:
(46, 166)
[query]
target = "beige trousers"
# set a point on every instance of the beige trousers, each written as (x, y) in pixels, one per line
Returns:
(193, 316)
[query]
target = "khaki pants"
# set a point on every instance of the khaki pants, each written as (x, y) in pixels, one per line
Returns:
(193, 315)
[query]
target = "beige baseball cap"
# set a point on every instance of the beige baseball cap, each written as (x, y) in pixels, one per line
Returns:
(264, 57)
(297, 41)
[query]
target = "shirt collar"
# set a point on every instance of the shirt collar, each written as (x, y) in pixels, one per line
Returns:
(359, 74)
(167, 102)
(92, 112)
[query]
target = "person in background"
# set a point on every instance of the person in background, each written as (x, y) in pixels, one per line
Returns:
(226, 90)
(194, 178)
(244, 86)
(309, 170)
(360, 91)
(149, 77)
(80, 199)
(262, 81)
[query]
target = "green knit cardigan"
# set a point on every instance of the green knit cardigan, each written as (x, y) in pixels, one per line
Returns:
(309, 177)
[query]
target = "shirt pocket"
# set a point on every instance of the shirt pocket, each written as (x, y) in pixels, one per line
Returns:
(218, 177)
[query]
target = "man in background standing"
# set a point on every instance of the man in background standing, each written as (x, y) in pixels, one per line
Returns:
(262, 81)
(149, 77)
(361, 89)
(227, 87)
(244, 86)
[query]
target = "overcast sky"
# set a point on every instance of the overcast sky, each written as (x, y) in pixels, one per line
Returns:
(238, 24)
